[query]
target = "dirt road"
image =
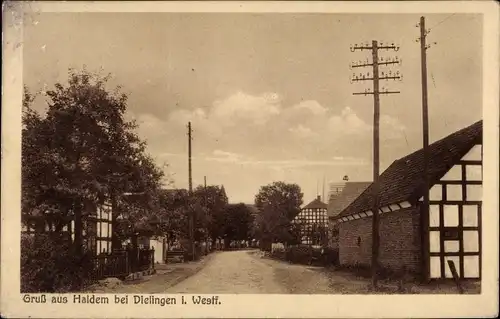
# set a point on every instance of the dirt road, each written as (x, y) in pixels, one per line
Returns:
(246, 272)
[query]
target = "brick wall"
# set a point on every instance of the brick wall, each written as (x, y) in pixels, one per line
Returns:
(399, 241)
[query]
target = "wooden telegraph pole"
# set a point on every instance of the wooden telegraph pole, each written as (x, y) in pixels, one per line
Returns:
(424, 212)
(190, 177)
(205, 203)
(190, 138)
(376, 77)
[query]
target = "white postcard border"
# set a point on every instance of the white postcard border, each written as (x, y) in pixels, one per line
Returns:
(292, 306)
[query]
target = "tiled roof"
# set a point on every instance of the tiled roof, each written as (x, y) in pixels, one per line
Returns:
(403, 180)
(317, 203)
(338, 202)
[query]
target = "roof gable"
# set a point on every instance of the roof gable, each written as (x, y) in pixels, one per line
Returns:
(403, 180)
(316, 204)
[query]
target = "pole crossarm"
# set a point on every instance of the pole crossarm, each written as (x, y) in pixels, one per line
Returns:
(371, 64)
(386, 47)
(380, 78)
(380, 92)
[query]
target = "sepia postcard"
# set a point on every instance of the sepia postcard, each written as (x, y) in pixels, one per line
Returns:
(250, 159)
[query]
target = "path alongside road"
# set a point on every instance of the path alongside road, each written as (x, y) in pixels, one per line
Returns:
(167, 275)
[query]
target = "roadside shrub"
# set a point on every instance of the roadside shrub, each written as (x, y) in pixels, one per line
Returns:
(299, 254)
(49, 265)
(279, 253)
(330, 256)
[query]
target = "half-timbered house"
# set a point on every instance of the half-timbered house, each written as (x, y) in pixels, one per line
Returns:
(96, 230)
(453, 231)
(313, 221)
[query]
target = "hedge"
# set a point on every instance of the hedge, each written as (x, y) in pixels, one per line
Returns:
(304, 254)
(49, 265)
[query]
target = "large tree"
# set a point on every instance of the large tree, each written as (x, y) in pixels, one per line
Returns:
(83, 152)
(205, 204)
(173, 218)
(214, 201)
(278, 203)
(237, 223)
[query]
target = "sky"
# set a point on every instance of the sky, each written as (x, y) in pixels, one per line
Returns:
(269, 95)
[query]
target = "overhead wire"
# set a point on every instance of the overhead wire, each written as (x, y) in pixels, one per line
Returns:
(442, 21)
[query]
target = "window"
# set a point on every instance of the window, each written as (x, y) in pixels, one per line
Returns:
(358, 242)
(451, 233)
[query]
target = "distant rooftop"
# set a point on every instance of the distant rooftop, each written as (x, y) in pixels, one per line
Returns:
(316, 204)
(350, 191)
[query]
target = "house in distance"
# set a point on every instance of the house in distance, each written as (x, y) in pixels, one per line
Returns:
(454, 230)
(313, 221)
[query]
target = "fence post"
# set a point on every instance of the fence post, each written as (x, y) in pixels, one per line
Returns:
(456, 277)
(127, 266)
(153, 258)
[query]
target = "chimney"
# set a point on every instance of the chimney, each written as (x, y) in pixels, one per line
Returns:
(319, 197)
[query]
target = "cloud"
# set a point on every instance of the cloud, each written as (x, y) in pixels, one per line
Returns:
(223, 156)
(241, 107)
(262, 131)
(240, 159)
(312, 106)
(347, 123)
(302, 131)
(307, 163)
(391, 128)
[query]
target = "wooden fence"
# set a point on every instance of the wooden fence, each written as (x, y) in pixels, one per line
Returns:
(121, 263)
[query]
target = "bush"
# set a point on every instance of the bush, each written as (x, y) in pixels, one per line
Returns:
(299, 254)
(279, 253)
(49, 265)
(307, 254)
(330, 256)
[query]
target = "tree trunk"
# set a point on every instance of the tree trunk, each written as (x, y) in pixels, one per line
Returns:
(115, 241)
(78, 228)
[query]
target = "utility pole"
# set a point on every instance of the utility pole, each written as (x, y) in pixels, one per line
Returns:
(376, 77)
(205, 202)
(191, 208)
(424, 212)
(190, 138)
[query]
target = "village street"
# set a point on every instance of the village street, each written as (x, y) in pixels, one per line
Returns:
(247, 272)
(230, 272)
